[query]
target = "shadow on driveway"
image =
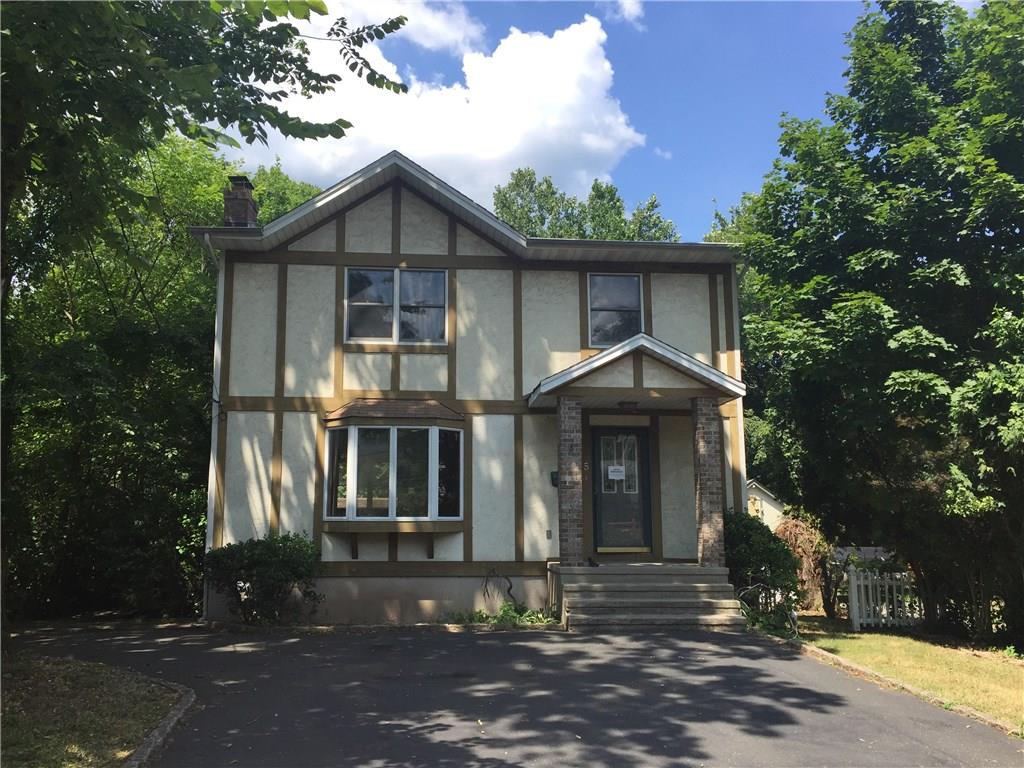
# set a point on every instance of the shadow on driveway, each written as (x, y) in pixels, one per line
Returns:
(420, 697)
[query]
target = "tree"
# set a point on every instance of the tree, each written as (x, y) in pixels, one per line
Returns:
(883, 304)
(88, 87)
(105, 506)
(276, 193)
(537, 208)
(89, 92)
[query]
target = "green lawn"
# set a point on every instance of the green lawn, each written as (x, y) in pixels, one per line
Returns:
(75, 714)
(989, 682)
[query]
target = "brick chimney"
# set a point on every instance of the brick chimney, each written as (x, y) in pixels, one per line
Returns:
(239, 208)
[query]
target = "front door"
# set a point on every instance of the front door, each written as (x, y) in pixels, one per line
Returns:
(622, 509)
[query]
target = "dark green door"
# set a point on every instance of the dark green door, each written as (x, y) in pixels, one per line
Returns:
(622, 482)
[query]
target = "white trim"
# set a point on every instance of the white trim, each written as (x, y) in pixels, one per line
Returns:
(590, 310)
(729, 387)
(352, 457)
(396, 309)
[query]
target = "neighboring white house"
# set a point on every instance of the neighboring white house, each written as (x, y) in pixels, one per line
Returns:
(764, 505)
(435, 398)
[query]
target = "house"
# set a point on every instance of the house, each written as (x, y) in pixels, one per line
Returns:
(764, 505)
(451, 409)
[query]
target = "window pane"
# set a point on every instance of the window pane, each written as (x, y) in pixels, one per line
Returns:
(372, 466)
(339, 480)
(421, 324)
(413, 466)
(449, 487)
(607, 458)
(614, 292)
(369, 321)
(629, 459)
(376, 286)
(421, 288)
(611, 327)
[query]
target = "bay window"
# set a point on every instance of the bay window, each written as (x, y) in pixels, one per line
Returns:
(396, 305)
(403, 473)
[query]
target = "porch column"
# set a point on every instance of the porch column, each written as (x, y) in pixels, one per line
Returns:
(707, 469)
(570, 481)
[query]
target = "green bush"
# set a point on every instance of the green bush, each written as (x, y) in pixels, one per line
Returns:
(762, 569)
(510, 614)
(260, 575)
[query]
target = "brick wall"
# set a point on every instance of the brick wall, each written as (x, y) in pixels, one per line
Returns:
(707, 464)
(570, 481)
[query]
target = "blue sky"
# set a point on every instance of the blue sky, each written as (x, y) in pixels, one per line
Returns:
(682, 100)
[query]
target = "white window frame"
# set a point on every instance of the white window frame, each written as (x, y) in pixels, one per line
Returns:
(590, 310)
(396, 309)
(352, 454)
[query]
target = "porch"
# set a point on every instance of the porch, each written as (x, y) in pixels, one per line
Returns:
(642, 463)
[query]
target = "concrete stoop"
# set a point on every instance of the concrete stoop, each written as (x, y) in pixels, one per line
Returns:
(645, 595)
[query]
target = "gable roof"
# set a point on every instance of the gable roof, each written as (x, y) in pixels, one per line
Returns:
(688, 365)
(394, 165)
(752, 483)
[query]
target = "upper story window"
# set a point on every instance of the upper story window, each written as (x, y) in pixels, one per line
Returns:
(411, 473)
(615, 308)
(396, 305)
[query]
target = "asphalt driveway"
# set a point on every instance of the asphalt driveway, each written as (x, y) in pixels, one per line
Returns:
(417, 697)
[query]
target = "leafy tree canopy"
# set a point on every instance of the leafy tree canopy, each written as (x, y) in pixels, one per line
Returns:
(537, 208)
(88, 87)
(276, 193)
(883, 301)
(105, 503)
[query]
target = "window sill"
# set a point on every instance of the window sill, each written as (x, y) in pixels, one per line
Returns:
(393, 526)
(423, 347)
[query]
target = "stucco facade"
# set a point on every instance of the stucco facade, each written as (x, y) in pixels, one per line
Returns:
(513, 318)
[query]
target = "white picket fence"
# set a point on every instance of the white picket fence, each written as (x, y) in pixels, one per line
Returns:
(882, 599)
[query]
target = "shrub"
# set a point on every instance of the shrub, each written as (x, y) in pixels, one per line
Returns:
(762, 569)
(510, 614)
(259, 576)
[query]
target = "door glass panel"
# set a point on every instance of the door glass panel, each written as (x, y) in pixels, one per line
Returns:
(607, 460)
(630, 483)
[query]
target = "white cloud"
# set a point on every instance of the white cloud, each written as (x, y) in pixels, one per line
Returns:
(436, 27)
(630, 11)
(664, 154)
(535, 100)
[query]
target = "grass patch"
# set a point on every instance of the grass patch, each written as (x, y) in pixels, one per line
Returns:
(509, 615)
(75, 714)
(989, 682)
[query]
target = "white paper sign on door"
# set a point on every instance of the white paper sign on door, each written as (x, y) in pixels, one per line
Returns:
(616, 471)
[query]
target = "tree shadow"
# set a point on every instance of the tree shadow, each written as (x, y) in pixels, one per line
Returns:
(412, 697)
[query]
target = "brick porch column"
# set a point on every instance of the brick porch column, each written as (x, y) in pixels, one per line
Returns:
(707, 469)
(570, 481)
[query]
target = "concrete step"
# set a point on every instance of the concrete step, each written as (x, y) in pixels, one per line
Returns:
(654, 588)
(720, 619)
(645, 604)
(630, 569)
